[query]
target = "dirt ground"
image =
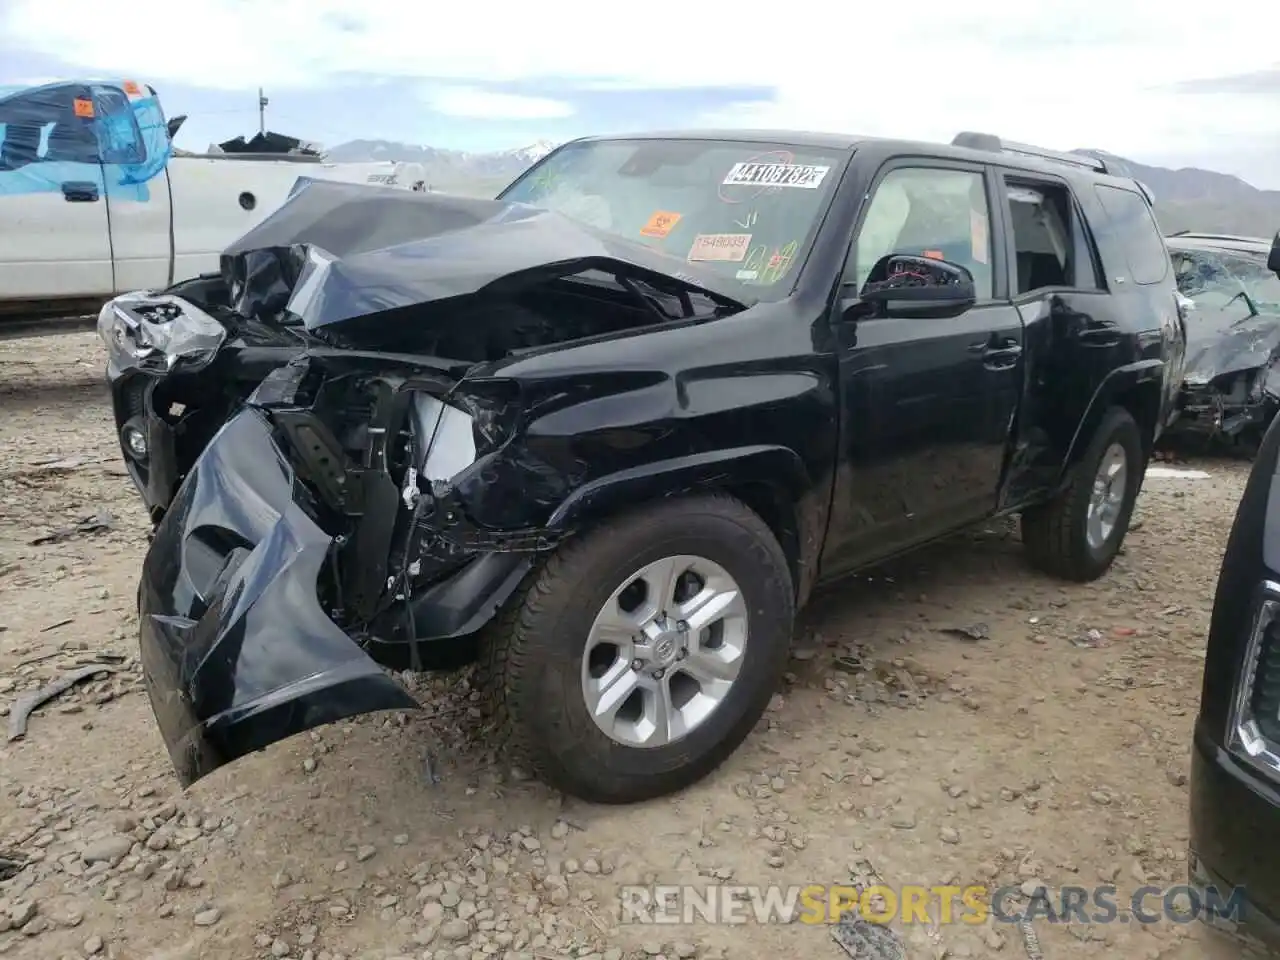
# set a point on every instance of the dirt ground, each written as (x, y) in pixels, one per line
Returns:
(1054, 748)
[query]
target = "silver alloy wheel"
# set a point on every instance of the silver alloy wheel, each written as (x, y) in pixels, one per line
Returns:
(1107, 498)
(664, 651)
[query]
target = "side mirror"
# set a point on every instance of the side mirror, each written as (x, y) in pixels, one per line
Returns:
(1273, 258)
(909, 286)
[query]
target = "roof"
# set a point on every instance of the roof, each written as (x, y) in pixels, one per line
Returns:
(799, 138)
(816, 140)
(10, 89)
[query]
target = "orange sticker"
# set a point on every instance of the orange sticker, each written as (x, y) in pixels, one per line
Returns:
(84, 108)
(660, 224)
(131, 88)
(934, 255)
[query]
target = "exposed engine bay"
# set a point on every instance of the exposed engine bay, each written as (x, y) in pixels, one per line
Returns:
(383, 384)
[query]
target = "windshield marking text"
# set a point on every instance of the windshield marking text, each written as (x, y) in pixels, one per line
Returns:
(725, 247)
(803, 175)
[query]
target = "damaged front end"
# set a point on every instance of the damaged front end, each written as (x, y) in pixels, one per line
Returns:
(298, 559)
(1231, 389)
(1230, 407)
(1230, 299)
(370, 502)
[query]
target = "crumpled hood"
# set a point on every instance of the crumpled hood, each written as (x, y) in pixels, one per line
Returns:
(1221, 342)
(336, 251)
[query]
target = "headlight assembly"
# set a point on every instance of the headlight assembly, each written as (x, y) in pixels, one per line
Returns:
(156, 331)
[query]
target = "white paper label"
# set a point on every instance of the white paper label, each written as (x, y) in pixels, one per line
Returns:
(723, 247)
(802, 175)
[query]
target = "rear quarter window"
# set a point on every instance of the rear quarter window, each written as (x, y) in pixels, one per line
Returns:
(1133, 227)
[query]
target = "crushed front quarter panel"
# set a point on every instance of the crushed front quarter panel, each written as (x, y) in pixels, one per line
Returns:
(236, 649)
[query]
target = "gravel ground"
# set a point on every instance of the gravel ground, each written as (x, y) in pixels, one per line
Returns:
(1052, 748)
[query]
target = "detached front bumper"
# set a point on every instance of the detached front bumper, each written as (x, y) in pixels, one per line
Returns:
(236, 649)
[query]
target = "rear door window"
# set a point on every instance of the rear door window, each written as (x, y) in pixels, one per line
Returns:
(51, 124)
(1134, 228)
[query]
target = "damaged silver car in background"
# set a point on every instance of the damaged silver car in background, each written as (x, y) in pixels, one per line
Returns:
(1232, 288)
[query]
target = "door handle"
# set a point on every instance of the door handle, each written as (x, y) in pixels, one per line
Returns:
(1099, 335)
(1002, 356)
(997, 353)
(80, 191)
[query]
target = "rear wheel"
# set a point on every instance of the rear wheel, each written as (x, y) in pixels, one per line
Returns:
(1077, 535)
(641, 655)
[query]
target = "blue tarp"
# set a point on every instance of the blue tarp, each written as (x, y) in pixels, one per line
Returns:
(108, 133)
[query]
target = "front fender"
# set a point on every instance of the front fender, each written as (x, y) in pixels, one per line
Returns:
(776, 467)
(770, 479)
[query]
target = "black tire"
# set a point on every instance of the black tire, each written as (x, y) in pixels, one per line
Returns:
(531, 655)
(1054, 534)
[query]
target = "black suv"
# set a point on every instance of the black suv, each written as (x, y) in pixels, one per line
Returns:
(612, 428)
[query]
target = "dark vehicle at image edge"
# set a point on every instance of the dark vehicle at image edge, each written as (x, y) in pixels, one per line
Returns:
(1235, 763)
(609, 431)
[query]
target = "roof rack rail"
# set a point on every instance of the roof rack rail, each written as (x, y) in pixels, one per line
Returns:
(993, 144)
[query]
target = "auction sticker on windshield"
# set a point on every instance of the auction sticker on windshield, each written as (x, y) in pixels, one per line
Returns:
(803, 175)
(660, 224)
(725, 247)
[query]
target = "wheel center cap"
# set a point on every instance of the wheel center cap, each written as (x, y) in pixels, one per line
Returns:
(664, 650)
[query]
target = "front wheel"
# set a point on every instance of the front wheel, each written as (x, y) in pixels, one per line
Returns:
(641, 655)
(1077, 535)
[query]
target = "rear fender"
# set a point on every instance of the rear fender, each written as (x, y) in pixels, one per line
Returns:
(1138, 387)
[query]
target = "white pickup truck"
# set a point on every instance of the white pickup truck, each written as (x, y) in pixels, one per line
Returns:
(94, 201)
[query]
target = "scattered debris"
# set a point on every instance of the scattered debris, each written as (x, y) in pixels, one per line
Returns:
(863, 940)
(23, 708)
(1089, 641)
(101, 656)
(976, 631)
(60, 623)
(58, 463)
(1174, 473)
(10, 864)
(1029, 939)
(849, 664)
(97, 523)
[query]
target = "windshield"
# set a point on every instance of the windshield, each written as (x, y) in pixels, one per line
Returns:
(748, 211)
(1212, 279)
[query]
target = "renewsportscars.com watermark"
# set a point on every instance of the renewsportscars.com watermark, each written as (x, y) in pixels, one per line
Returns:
(908, 904)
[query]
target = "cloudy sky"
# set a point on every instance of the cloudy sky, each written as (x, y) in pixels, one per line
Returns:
(1156, 82)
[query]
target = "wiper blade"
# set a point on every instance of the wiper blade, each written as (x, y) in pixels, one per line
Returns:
(1253, 307)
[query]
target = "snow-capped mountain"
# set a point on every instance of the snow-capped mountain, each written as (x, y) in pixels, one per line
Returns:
(450, 170)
